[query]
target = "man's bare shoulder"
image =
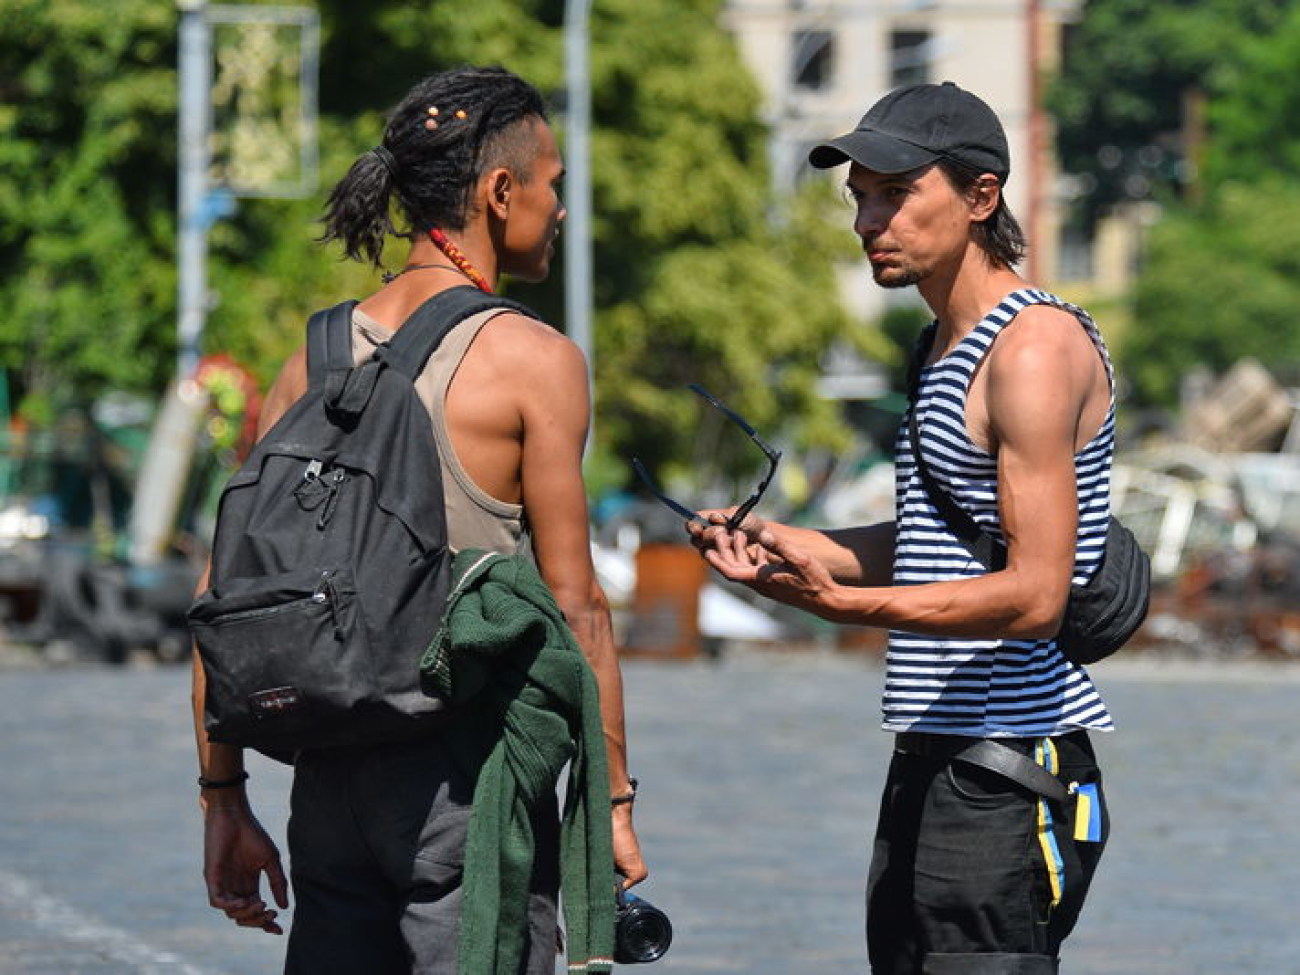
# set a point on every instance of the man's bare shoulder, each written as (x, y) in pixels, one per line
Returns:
(1044, 318)
(1046, 381)
(1043, 338)
(529, 343)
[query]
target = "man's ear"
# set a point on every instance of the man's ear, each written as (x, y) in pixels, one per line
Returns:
(984, 195)
(500, 183)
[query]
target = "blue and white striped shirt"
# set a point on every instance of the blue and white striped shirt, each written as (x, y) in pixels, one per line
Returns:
(998, 687)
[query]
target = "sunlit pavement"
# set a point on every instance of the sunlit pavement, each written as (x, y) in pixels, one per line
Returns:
(759, 779)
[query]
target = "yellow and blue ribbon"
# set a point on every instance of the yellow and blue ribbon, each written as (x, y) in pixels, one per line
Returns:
(1087, 814)
(1045, 755)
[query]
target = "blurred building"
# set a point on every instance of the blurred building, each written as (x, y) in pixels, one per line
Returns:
(821, 63)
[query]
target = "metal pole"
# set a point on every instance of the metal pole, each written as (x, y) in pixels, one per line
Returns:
(577, 187)
(1034, 20)
(195, 72)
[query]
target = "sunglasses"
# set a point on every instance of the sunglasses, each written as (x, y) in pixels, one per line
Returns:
(738, 516)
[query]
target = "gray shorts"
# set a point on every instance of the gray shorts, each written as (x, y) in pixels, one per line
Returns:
(377, 849)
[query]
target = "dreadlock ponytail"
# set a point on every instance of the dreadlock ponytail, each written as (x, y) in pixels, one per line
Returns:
(446, 132)
(358, 210)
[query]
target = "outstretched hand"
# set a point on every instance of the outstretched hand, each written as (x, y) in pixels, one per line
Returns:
(761, 559)
(708, 526)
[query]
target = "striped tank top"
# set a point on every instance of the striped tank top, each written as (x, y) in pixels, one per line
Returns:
(988, 687)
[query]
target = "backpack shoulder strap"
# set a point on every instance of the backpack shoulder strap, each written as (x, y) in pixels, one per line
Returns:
(329, 347)
(429, 324)
(347, 387)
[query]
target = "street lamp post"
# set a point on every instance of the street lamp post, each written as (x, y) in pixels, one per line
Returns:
(577, 185)
(195, 71)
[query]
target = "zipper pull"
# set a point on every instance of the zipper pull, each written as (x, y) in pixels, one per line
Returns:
(310, 492)
(325, 593)
(324, 590)
(333, 483)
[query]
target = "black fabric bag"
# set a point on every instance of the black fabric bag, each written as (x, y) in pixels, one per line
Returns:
(330, 563)
(1102, 614)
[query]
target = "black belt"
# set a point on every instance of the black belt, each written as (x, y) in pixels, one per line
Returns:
(1004, 758)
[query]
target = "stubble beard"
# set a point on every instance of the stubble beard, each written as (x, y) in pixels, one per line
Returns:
(896, 277)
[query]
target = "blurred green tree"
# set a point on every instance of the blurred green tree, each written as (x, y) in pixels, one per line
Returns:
(1125, 100)
(1253, 115)
(1221, 282)
(1221, 275)
(87, 109)
(700, 274)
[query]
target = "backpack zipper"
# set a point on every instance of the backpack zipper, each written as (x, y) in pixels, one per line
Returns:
(323, 593)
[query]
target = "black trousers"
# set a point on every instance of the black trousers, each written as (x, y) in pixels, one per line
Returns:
(973, 874)
(377, 853)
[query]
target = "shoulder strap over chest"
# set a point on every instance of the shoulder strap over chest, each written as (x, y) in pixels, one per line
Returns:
(986, 549)
(920, 352)
(1001, 316)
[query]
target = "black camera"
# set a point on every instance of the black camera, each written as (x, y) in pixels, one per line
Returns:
(642, 932)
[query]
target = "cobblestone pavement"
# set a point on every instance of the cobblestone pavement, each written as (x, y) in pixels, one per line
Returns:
(759, 780)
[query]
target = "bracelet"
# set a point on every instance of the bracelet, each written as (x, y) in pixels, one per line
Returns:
(239, 779)
(627, 797)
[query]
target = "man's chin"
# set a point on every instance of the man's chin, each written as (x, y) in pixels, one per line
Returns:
(892, 277)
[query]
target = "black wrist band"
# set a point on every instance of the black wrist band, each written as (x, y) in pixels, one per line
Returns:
(239, 779)
(626, 797)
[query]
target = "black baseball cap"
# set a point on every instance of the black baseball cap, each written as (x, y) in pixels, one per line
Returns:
(913, 126)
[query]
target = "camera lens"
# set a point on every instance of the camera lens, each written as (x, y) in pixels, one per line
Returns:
(642, 932)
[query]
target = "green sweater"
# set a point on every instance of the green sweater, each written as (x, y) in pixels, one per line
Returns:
(504, 643)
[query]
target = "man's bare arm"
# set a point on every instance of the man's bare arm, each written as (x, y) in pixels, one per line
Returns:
(237, 850)
(1038, 386)
(861, 556)
(555, 408)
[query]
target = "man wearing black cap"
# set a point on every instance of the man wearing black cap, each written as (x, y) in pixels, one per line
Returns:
(981, 861)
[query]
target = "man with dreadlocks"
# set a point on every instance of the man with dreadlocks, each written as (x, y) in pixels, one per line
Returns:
(377, 835)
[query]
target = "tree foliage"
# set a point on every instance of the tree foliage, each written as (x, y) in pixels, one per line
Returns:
(695, 281)
(1121, 98)
(1219, 275)
(1220, 283)
(86, 233)
(1253, 115)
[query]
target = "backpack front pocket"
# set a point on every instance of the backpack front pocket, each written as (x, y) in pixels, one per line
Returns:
(282, 654)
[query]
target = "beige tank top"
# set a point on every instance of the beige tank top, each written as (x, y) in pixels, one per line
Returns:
(475, 519)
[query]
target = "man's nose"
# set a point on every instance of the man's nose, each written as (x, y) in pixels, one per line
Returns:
(868, 221)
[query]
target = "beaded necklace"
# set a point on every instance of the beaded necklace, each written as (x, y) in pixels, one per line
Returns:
(444, 244)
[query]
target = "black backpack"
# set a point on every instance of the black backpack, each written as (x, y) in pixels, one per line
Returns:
(330, 563)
